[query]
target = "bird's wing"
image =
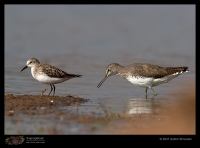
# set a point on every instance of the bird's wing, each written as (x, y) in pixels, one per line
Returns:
(55, 72)
(148, 70)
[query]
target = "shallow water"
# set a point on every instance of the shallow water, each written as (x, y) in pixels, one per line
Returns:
(84, 39)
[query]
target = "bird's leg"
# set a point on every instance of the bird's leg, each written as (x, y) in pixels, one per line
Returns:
(54, 88)
(153, 92)
(43, 91)
(146, 92)
(51, 90)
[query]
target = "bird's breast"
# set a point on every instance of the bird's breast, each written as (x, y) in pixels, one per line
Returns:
(33, 72)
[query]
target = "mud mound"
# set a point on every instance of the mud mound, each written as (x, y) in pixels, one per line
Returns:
(27, 102)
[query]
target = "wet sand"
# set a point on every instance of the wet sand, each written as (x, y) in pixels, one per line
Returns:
(178, 121)
(29, 104)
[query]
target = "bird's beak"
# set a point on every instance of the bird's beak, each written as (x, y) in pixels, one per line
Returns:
(24, 68)
(102, 81)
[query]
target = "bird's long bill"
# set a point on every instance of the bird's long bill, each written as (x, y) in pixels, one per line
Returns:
(24, 68)
(102, 82)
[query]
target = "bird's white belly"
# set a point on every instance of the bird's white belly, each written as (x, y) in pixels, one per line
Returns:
(43, 78)
(140, 81)
(150, 82)
(49, 80)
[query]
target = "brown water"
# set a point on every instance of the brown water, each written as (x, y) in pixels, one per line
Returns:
(84, 40)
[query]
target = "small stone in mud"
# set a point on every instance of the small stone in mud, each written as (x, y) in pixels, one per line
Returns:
(67, 104)
(59, 112)
(10, 113)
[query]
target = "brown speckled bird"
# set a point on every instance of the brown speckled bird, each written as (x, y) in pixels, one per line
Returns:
(143, 74)
(48, 74)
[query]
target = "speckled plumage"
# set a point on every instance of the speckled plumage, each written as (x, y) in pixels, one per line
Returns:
(52, 71)
(145, 70)
(48, 74)
(143, 74)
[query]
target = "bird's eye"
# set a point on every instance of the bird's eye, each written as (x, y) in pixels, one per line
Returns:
(108, 70)
(30, 62)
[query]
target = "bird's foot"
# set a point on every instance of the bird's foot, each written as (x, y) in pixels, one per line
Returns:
(146, 93)
(155, 94)
(41, 94)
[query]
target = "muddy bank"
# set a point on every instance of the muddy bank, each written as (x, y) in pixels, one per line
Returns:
(32, 104)
(46, 116)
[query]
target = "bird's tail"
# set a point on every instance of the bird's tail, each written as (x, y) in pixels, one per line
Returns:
(78, 75)
(177, 70)
(185, 69)
(73, 75)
